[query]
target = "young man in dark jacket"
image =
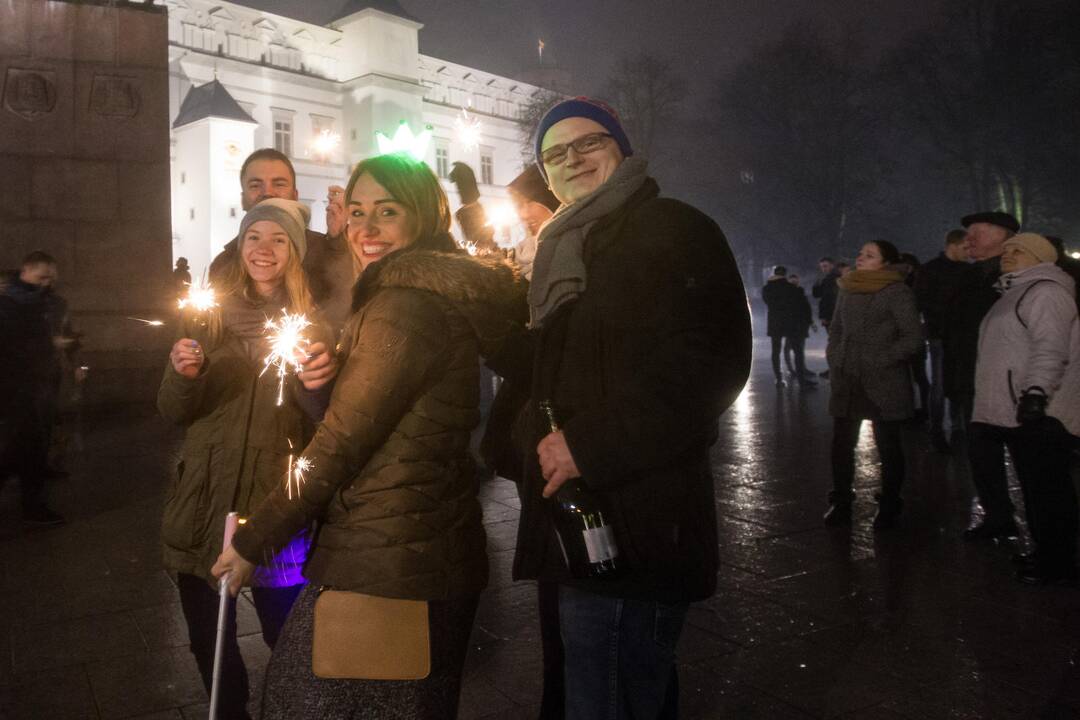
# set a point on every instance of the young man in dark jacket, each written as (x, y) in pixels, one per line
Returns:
(29, 364)
(825, 290)
(789, 318)
(935, 283)
(640, 339)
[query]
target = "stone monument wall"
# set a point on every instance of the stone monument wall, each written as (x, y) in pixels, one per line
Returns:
(84, 167)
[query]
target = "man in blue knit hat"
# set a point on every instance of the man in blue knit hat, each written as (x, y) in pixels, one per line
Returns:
(640, 339)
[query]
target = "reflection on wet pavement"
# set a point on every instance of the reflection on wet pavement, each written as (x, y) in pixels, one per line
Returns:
(807, 621)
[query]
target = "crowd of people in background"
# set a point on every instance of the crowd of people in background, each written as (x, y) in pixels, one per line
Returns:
(994, 315)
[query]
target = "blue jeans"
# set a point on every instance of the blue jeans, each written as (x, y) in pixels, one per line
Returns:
(620, 656)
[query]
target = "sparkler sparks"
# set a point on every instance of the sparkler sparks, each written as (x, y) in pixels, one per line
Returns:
(504, 220)
(468, 129)
(288, 347)
(153, 323)
(297, 474)
(325, 143)
(200, 297)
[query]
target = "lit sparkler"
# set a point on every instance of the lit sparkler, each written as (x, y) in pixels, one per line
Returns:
(200, 297)
(325, 143)
(287, 347)
(297, 474)
(153, 323)
(468, 129)
(195, 309)
(503, 219)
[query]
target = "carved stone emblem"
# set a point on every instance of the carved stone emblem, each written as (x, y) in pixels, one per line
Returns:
(115, 96)
(30, 93)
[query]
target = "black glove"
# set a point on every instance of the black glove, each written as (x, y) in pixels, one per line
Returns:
(465, 179)
(1031, 408)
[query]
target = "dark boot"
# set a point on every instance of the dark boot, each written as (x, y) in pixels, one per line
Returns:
(888, 512)
(838, 515)
(839, 512)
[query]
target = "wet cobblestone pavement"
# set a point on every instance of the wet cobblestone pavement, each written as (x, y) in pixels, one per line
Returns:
(808, 622)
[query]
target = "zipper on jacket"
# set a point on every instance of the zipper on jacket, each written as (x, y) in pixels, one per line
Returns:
(1012, 393)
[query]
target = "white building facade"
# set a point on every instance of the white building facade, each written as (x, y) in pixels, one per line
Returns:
(297, 82)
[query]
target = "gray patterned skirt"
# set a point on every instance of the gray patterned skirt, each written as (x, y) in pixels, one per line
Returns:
(293, 692)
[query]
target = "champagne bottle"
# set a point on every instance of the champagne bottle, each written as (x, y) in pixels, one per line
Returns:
(582, 527)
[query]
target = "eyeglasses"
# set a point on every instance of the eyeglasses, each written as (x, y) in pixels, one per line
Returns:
(556, 154)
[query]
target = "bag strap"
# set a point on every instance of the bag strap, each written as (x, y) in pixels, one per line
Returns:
(1016, 308)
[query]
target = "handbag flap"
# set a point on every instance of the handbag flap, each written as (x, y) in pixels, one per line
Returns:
(365, 637)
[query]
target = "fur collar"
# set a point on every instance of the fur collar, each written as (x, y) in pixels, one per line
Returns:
(484, 285)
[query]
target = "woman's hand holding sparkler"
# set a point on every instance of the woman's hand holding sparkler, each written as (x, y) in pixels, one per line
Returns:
(319, 368)
(187, 357)
(234, 568)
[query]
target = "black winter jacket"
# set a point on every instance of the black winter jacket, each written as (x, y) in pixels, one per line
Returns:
(789, 310)
(826, 292)
(972, 297)
(935, 284)
(639, 369)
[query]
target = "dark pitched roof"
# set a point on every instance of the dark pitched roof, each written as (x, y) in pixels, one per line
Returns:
(209, 100)
(390, 7)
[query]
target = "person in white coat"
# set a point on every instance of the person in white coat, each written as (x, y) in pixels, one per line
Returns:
(1027, 385)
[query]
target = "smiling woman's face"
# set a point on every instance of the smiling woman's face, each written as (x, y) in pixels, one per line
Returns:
(579, 175)
(265, 253)
(377, 224)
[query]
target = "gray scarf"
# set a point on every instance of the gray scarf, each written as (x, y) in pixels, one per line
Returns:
(559, 268)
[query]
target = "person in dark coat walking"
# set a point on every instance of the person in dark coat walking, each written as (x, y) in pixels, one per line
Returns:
(873, 337)
(640, 338)
(798, 341)
(787, 321)
(972, 298)
(935, 284)
(28, 369)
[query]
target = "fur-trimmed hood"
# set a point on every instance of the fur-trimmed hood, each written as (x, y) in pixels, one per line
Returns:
(488, 291)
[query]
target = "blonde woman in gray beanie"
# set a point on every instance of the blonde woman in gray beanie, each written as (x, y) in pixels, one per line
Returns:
(1027, 396)
(238, 439)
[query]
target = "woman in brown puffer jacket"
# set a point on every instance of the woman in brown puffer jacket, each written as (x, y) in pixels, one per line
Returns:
(392, 479)
(874, 334)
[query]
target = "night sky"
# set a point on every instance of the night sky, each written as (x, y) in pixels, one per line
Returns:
(704, 41)
(705, 38)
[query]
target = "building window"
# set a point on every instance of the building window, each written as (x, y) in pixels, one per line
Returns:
(487, 166)
(232, 212)
(183, 178)
(283, 136)
(191, 214)
(442, 162)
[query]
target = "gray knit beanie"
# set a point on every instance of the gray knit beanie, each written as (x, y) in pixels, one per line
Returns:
(291, 215)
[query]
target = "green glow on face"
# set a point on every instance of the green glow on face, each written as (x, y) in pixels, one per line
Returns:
(405, 141)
